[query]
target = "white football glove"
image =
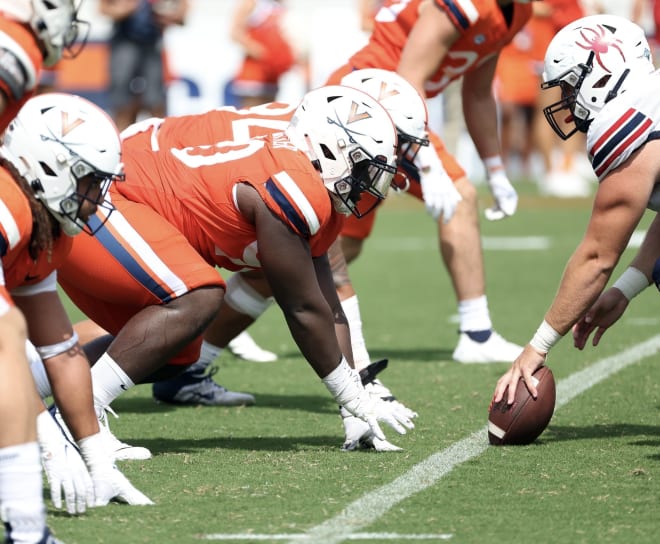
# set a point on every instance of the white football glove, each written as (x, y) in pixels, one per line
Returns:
(358, 434)
(506, 197)
(64, 468)
(438, 190)
(109, 482)
(346, 387)
(377, 389)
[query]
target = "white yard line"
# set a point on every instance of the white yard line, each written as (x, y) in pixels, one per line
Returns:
(370, 507)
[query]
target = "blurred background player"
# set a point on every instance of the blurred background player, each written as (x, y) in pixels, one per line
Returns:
(138, 65)
(609, 90)
(267, 54)
(445, 34)
(525, 134)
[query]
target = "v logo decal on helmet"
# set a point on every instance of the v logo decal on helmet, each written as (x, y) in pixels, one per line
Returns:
(69, 126)
(354, 115)
(383, 92)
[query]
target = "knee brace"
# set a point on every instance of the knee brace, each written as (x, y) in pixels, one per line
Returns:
(241, 297)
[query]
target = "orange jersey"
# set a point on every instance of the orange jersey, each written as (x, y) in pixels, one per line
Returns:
(222, 124)
(22, 62)
(193, 188)
(18, 267)
(483, 32)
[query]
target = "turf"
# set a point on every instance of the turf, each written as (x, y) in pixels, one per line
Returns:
(276, 469)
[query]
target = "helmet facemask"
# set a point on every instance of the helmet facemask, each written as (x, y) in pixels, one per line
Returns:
(69, 208)
(576, 117)
(368, 175)
(59, 31)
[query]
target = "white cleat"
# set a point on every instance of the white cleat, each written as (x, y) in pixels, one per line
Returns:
(120, 450)
(494, 350)
(244, 347)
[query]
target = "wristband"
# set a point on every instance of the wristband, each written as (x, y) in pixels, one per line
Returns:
(545, 338)
(46, 352)
(343, 383)
(493, 164)
(631, 283)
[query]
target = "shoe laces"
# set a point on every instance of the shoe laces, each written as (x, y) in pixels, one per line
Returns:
(105, 426)
(207, 384)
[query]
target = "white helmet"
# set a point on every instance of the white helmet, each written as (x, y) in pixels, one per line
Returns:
(401, 100)
(57, 139)
(592, 60)
(54, 22)
(351, 139)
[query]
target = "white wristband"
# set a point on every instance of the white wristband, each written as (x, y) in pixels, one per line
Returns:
(493, 164)
(344, 383)
(632, 282)
(545, 338)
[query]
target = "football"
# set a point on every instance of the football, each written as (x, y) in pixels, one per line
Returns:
(523, 421)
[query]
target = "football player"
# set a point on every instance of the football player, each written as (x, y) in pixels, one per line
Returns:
(58, 156)
(602, 65)
(273, 203)
(432, 43)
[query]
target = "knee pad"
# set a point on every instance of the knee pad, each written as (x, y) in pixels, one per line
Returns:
(241, 297)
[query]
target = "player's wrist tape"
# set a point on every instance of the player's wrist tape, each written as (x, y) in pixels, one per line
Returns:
(545, 338)
(343, 383)
(494, 164)
(632, 282)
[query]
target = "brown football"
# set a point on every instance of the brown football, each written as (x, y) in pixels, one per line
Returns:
(523, 421)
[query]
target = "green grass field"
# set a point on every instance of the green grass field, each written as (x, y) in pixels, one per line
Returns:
(274, 472)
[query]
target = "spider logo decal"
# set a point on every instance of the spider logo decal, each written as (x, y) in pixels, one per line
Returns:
(599, 40)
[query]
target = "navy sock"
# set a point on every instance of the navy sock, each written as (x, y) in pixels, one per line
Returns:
(479, 336)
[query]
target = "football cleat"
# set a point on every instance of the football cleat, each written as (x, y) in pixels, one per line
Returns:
(494, 350)
(194, 389)
(120, 450)
(369, 373)
(244, 347)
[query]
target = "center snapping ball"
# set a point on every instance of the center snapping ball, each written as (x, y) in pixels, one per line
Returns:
(523, 421)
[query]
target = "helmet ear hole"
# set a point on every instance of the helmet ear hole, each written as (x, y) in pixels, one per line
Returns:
(327, 153)
(602, 82)
(47, 169)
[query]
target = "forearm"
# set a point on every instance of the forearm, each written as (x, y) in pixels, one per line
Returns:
(649, 251)
(583, 281)
(321, 350)
(71, 382)
(480, 113)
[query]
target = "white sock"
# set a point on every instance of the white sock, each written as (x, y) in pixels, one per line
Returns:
(21, 493)
(108, 380)
(473, 315)
(352, 311)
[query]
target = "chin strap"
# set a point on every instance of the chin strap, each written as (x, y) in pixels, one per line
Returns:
(615, 90)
